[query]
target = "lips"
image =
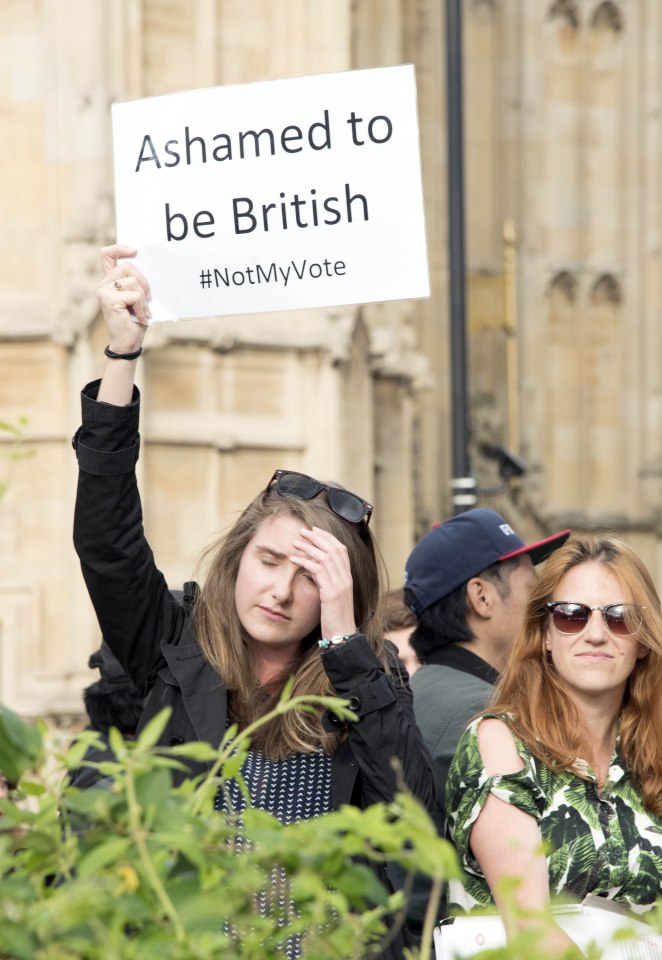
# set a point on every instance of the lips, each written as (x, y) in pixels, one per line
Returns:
(273, 614)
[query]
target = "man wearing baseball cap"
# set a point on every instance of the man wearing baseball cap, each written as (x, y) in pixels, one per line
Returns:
(467, 582)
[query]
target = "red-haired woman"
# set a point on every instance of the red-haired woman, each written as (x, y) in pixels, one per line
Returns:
(559, 785)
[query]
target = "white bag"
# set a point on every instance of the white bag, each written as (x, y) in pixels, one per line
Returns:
(595, 920)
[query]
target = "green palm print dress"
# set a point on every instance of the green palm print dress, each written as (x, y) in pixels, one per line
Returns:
(599, 842)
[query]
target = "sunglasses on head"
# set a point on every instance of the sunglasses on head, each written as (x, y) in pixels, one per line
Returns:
(348, 506)
(622, 619)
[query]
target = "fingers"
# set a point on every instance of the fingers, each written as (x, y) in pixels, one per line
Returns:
(324, 549)
(327, 560)
(124, 295)
(111, 254)
(124, 289)
(114, 270)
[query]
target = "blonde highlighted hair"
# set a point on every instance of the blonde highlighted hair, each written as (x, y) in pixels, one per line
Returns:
(227, 646)
(530, 690)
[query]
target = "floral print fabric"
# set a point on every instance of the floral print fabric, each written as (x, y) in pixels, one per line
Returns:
(599, 842)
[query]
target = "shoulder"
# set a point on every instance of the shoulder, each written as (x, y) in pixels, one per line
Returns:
(498, 748)
(445, 692)
(431, 676)
(444, 708)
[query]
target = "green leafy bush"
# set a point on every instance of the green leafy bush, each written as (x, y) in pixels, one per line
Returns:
(134, 869)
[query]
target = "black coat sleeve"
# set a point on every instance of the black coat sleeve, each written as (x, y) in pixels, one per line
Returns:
(385, 739)
(130, 596)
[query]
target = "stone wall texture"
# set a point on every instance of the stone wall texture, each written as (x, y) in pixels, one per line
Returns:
(563, 212)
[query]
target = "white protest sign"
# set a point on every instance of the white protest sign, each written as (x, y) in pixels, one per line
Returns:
(274, 196)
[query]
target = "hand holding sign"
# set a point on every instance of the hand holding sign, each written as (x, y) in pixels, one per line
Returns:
(123, 297)
(273, 196)
(123, 294)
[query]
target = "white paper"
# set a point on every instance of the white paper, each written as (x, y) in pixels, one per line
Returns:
(274, 196)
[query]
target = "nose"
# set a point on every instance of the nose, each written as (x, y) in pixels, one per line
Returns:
(596, 628)
(283, 584)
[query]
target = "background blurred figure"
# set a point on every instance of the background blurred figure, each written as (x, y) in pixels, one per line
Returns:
(111, 701)
(467, 582)
(399, 622)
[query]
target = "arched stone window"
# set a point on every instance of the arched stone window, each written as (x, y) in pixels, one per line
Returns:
(607, 16)
(564, 285)
(606, 289)
(565, 10)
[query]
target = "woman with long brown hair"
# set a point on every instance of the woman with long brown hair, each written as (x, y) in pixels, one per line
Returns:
(290, 593)
(559, 785)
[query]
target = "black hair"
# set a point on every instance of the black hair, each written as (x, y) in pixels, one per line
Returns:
(111, 701)
(445, 621)
(115, 704)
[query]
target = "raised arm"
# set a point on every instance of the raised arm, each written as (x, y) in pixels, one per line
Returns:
(129, 593)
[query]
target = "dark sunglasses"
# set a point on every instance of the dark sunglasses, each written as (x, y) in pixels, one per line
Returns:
(348, 506)
(622, 619)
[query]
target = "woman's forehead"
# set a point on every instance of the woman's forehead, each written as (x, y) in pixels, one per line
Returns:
(279, 528)
(589, 578)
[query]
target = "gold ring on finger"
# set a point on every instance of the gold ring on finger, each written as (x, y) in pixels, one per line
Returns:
(118, 285)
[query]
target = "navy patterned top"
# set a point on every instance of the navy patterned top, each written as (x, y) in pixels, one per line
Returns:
(297, 787)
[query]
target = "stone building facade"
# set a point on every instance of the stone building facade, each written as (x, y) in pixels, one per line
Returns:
(562, 115)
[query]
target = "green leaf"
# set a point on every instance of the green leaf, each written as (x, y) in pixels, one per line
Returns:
(75, 753)
(10, 428)
(16, 942)
(359, 883)
(151, 734)
(195, 750)
(201, 911)
(108, 851)
(32, 789)
(116, 742)
(232, 766)
(20, 745)
(287, 690)
(153, 788)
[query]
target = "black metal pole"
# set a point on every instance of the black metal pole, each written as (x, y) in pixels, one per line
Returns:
(463, 486)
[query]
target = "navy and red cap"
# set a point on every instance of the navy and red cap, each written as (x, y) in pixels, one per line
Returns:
(453, 552)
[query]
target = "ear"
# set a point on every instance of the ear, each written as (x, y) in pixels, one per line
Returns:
(642, 651)
(481, 596)
(548, 642)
